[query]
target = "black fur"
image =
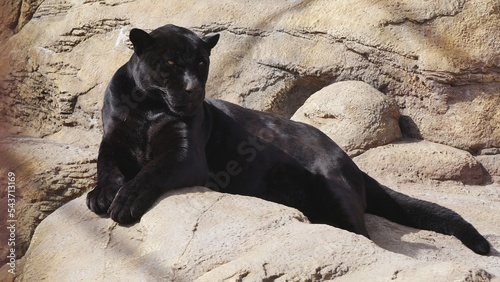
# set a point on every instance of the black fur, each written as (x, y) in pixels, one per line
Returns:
(161, 134)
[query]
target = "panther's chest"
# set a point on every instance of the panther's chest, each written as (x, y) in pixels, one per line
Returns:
(159, 133)
(155, 116)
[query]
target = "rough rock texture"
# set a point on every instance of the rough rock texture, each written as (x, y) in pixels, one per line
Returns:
(196, 234)
(8, 18)
(353, 114)
(491, 164)
(14, 14)
(420, 161)
(438, 59)
(48, 174)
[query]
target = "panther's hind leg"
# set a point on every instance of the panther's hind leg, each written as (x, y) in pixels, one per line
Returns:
(336, 202)
(332, 200)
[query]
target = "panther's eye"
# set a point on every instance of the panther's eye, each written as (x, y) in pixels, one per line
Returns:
(201, 63)
(170, 62)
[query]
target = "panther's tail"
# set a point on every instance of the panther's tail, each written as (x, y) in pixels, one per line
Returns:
(408, 211)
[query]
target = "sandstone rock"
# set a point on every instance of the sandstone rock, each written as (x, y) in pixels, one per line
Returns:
(14, 14)
(196, 234)
(489, 151)
(420, 161)
(491, 163)
(48, 174)
(8, 18)
(354, 114)
(438, 59)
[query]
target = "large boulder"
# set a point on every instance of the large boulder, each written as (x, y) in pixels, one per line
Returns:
(438, 59)
(195, 234)
(354, 114)
(421, 161)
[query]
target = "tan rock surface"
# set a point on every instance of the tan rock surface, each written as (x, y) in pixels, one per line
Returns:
(353, 114)
(8, 18)
(438, 59)
(48, 174)
(198, 235)
(491, 165)
(421, 161)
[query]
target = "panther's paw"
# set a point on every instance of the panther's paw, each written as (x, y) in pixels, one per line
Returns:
(130, 204)
(99, 199)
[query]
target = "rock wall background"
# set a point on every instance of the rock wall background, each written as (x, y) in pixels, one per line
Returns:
(437, 60)
(432, 70)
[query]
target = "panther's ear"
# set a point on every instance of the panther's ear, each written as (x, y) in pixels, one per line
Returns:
(211, 41)
(141, 40)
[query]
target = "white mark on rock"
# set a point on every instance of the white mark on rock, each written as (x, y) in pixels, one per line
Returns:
(122, 37)
(46, 51)
(468, 93)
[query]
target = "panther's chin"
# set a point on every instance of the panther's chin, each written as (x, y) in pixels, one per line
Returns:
(183, 109)
(188, 109)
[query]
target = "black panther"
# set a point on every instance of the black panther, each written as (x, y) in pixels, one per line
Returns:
(160, 133)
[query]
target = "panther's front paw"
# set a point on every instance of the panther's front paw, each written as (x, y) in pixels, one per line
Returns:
(99, 199)
(130, 204)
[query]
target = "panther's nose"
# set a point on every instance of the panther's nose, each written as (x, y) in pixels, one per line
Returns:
(192, 84)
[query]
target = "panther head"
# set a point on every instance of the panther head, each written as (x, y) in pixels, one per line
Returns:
(170, 65)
